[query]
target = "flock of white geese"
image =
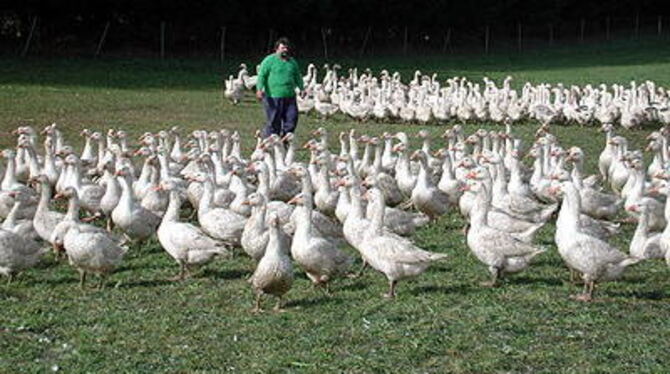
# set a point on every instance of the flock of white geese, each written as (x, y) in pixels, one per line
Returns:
(371, 194)
(425, 100)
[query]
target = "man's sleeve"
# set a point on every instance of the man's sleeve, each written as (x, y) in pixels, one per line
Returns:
(262, 75)
(298, 77)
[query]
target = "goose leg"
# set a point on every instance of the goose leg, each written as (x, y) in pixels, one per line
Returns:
(101, 282)
(82, 278)
(10, 278)
(257, 304)
(110, 224)
(587, 294)
(465, 228)
(57, 251)
(391, 293)
(182, 272)
(279, 306)
(361, 271)
(495, 274)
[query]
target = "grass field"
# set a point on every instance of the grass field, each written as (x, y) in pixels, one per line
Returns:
(440, 322)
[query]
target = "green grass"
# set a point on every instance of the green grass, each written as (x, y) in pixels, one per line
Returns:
(441, 322)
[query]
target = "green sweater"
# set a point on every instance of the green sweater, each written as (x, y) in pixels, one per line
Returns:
(278, 77)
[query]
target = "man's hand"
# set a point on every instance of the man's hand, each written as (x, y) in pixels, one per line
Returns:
(259, 95)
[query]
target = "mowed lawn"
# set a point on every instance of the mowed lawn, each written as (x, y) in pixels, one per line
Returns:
(442, 321)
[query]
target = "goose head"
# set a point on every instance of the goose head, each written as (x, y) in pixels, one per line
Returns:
(254, 199)
(299, 199)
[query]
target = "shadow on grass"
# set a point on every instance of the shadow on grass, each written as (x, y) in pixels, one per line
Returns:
(8, 293)
(313, 301)
(230, 274)
(146, 283)
(521, 280)
(357, 285)
(58, 281)
(458, 289)
(656, 295)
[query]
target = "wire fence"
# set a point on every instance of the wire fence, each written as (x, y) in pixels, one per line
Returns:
(164, 39)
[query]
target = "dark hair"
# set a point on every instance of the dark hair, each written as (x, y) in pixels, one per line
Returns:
(283, 40)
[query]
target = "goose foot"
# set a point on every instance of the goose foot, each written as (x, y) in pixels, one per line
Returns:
(585, 297)
(489, 284)
(101, 283)
(391, 293)
(177, 278)
(495, 275)
(279, 306)
(183, 273)
(257, 304)
(359, 273)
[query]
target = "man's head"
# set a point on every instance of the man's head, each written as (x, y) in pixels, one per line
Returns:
(283, 46)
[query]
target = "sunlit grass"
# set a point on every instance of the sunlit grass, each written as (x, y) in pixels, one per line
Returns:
(441, 322)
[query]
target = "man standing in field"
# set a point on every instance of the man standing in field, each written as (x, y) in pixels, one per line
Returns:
(278, 77)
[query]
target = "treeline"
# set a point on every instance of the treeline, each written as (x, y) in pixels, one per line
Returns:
(213, 27)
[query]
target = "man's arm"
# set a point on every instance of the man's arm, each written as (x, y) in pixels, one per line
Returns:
(261, 82)
(298, 78)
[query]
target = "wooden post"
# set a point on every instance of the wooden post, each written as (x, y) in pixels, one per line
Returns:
(637, 25)
(223, 43)
(447, 41)
(365, 40)
(102, 39)
(486, 39)
(607, 28)
(270, 36)
(659, 26)
(520, 36)
(162, 40)
(325, 45)
(551, 34)
(30, 37)
(404, 45)
(582, 27)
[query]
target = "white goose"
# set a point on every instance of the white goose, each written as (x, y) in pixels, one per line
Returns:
(274, 272)
(499, 250)
(596, 260)
(644, 244)
(186, 243)
(135, 221)
(320, 258)
(396, 257)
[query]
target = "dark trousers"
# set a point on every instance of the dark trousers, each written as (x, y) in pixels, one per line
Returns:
(281, 114)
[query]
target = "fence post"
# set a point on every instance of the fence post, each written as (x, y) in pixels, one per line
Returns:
(447, 41)
(637, 25)
(582, 26)
(325, 45)
(486, 39)
(659, 26)
(607, 28)
(520, 36)
(365, 40)
(551, 34)
(404, 46)
(30, 37)
(269, 46)
(162, 40)
(102, 39)
(223, 43)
